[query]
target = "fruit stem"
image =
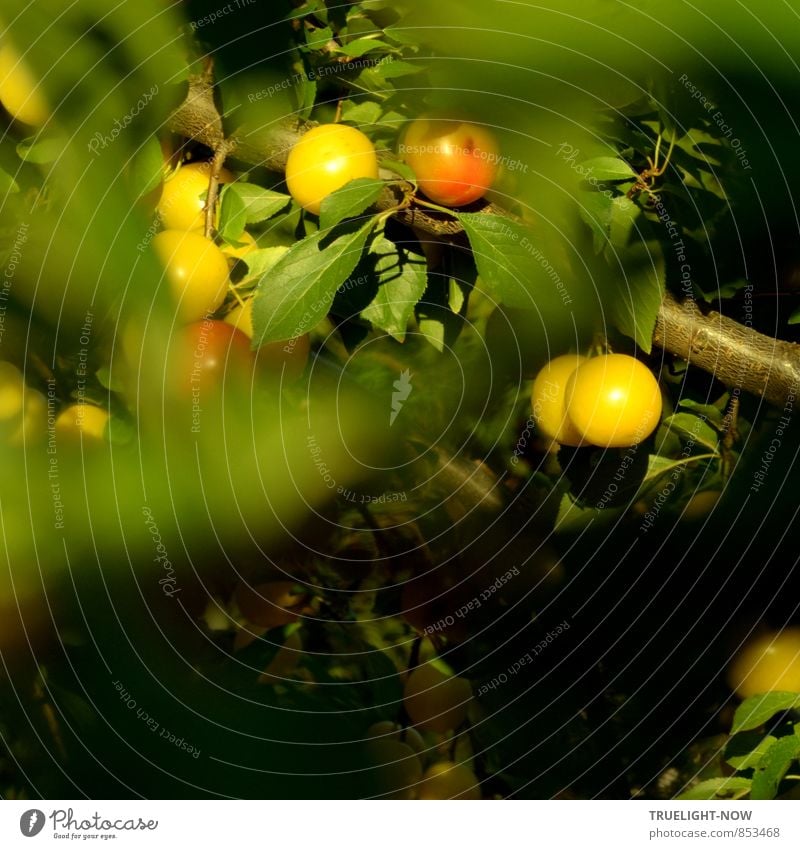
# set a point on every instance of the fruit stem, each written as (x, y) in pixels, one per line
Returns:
(435, 206)
(220, 155)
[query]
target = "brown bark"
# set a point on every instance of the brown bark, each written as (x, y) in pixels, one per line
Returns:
(738, 356)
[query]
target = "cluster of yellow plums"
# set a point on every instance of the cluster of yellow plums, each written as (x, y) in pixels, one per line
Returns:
(25, 418)
(612, 401)
(197, 272)
(408, 761)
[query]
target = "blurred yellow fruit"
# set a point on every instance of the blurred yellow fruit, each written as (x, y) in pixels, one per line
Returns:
(82, 420)
(12, 388)
(434, 701)
(19, 90)
(397, 769)
(448, 780)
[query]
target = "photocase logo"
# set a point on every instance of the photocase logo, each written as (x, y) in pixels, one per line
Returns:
(31, 822)
(402, 387)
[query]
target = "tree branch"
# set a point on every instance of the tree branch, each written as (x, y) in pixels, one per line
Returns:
(738, 356)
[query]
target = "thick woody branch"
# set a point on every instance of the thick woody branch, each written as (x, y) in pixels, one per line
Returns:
(738, 356)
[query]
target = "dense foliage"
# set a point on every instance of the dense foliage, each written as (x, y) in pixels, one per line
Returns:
(279, 516)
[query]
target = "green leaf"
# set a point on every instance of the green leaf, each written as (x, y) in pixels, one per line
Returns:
(794, 318)
(456, 296)
(361, 46)
(8, 185)
(402, 279)
(607, 169)
(503, 251)
(401, 169)
(757, 710)
(394, 68)
(108, 381)
(147, 167)
(308, 8)
(774, 766)
(624, 213)
(712, 413)
(349, 201)
(433, 331)
(261, 261)
(318, 38)
(572, 518)
(692, 428)
(40, 151)
(259, 204)
(746, 750)
(402, 36)
(716, 788)
(726, 290)
(637, 291)
(364, 113)
(307, 97)
(299, 289)
(232, 215)
(390, 121)
(596, 210)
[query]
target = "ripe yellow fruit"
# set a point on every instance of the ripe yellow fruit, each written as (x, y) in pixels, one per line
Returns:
(700, 505)
(241, 317)
(386, 729)
(196, 271)
(19, 91)
(767, 662)
(12, 392)
(82, 421)
(434, 701)
(548, 400)
(325, 159)
(613, 401)
(398, 769)
(448, 780)
(455, 161)
(183, 197)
